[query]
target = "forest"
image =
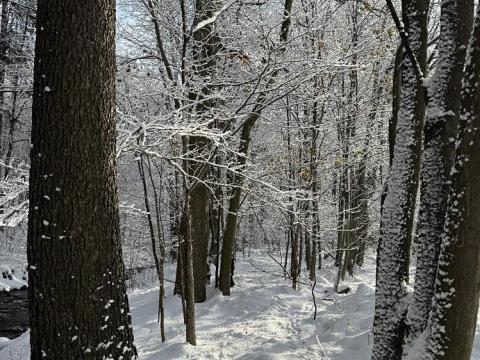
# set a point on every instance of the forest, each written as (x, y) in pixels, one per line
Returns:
(239, 179)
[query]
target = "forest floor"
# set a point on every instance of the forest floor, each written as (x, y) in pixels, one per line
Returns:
(263, 319)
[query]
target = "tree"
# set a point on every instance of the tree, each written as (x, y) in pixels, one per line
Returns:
(206, 45)
(438, 154)
(398, 207)
(77, 297)
(457, 288)
(238, 178)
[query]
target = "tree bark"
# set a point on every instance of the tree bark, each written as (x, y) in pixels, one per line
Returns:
(188, 273)
(206, 45)
(77, 298)
(200, 196)
(457, 287)
(398, 208)
(438, 154)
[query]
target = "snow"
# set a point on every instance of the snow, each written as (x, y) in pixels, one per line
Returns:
(213, 18)
(263, 319)
(3, 342)
(10, 279)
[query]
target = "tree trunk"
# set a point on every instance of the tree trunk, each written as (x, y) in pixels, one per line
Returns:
(313, 261)
(206, 45)
(77, 298)
(398, 208)
(200, 196)
(188, 272)
(294, 272)
(4, 59)
(237, 178)
(307, 247)
(157, 260)
(396, 97)
(234, 207)
(438, 154)
(457, 287)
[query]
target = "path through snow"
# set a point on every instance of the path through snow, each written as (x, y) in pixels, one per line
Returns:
(263, 319)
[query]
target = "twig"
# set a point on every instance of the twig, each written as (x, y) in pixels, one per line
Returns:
(281, 265)
(405, 40)
(272, 273)
(314, 300)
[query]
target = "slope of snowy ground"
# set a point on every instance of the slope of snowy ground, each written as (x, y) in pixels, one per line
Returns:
(263, 319)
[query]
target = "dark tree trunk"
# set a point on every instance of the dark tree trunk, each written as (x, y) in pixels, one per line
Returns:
(398, 208)
(234, 207)
(307, 249)
(438, 154)
(238, 178)
(157, 259)
(77, 296)
(457, 287)
(206, 45)
(294, 271)
(188, 279)
(200, 196)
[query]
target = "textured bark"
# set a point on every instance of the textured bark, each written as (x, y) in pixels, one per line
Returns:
(188, 290)
(398, 208)
(199, 202)
(396, 96)
(438, 154)
(206, 45)
(457, 288)
(77, 297)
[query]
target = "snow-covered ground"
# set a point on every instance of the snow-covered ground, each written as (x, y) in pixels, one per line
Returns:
(11, 279)
(263, 319)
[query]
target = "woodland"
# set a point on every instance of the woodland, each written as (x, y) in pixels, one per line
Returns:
(239, 179)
